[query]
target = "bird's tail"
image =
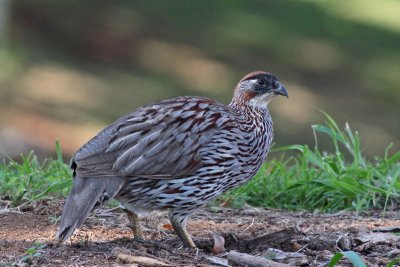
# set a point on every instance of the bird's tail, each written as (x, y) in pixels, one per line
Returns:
(86, 195)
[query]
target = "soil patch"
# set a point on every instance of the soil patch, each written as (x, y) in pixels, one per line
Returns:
(296, 238)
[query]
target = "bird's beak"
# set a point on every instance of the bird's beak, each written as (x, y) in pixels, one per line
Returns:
(281, 91)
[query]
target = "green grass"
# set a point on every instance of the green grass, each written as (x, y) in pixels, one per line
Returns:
(33, 252)
(311, 179)
(355, 259)
(302, 178)
(27, 179)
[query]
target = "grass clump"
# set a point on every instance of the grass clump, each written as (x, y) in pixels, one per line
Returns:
(29, 180)
(343, 179)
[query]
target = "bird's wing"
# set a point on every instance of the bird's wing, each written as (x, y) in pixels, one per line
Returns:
(158, 141)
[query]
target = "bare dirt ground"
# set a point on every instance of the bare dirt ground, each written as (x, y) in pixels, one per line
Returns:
(295, 238)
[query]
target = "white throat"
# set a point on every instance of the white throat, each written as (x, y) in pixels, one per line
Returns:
(261, 101)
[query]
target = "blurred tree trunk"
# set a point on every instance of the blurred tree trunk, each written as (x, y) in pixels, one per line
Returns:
(4, 17)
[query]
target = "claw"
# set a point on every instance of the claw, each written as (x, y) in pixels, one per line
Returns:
(179, 226)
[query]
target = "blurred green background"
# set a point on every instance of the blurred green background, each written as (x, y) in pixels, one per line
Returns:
(68, 68)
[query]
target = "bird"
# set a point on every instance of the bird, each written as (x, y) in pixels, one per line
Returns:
(176, 154)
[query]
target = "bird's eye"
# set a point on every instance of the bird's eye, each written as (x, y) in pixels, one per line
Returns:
(261, 81)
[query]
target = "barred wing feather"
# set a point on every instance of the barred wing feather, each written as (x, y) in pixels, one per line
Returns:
(165, 146)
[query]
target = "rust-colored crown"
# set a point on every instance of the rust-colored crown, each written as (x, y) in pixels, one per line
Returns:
(253, 74)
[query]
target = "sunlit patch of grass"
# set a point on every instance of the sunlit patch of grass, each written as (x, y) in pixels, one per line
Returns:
(29, 180)
(369, 12)
(343, 179)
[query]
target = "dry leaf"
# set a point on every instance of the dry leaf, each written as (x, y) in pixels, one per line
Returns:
(168, 226)
(219, 244)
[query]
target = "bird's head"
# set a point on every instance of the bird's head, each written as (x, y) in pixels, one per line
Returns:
(257, 89)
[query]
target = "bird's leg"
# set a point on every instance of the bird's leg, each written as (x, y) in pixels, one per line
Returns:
(135, 224)
(179, 225)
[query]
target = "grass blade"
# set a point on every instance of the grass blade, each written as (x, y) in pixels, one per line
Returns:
(354, 258)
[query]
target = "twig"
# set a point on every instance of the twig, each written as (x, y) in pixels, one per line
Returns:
(251, 224)
(302, 248)
(269, 239)
(10, 210)
(143, 261)
(243, 259)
